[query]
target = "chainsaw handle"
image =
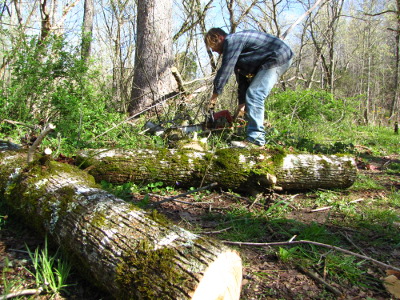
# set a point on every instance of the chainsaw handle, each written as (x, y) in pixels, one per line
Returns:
(210, 115)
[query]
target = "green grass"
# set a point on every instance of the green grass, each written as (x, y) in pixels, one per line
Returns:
(364, 182)
(393, 168)
(51, 272)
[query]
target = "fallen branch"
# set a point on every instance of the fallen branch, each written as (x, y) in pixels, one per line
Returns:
(38, 141)
(329, 207)
(6, 145)
(300, 19)
(351, 242)
(183, 202)
(18, 123)
(134, 116)
(217, 231)
(178, 78)
(22, 293)
(377, 262)
(320, 281)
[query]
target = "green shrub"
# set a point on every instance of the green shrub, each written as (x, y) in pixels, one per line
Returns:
(308, 112)
(50, 83)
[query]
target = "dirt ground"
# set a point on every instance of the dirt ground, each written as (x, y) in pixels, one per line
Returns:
(265, 276)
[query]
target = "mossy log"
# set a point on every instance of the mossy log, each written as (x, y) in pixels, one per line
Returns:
(131, 253)
(236, 169)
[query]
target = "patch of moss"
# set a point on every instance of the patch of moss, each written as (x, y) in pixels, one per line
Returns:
(226, 165)
(159, 218)
(146, 273)
(98, 219)
(27, 194)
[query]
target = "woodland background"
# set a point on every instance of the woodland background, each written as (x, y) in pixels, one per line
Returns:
(73, 63)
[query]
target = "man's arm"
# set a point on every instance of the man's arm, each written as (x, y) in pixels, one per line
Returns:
(212, 102)
(233, 46)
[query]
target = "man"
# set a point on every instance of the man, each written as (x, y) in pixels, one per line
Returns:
(258, 59)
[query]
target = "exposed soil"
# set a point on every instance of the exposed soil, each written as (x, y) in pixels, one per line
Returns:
(265, 276)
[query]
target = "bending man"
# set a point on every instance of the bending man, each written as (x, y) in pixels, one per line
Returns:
(258, 59)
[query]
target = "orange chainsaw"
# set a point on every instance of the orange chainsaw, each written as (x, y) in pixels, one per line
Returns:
(215, 121)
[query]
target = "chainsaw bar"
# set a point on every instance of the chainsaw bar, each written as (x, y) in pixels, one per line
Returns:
(215, 121)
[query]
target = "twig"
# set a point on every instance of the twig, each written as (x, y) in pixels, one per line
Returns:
(178, 78)
(20, 251)
(240, 198)
(377, 262)
(218, 231)
(22, 293)
(37, 142)
(134, 116)
(256, 200)
(357, 200)
(185, 194)
(329, 207)
(351, 242)
(320, 280)
(321, 209)
(18, 123)
(180, 201)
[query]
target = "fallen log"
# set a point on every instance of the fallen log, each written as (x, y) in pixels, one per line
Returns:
(236, 169)
(129, 252)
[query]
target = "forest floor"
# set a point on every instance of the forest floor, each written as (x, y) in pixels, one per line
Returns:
(266, 274)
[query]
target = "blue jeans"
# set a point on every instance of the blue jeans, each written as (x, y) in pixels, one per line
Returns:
(258, 91)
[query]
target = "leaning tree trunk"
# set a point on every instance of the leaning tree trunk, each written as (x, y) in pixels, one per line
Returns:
(243, 170)
(129, 252)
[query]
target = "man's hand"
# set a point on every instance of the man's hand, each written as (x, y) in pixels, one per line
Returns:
(212, 102)
(239, 113)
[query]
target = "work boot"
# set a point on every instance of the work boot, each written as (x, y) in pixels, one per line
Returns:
(245, 145)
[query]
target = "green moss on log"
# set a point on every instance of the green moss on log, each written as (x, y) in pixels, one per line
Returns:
(227, 164)
(232, 168)
(149, 273)
(27, 192)
(159, 218)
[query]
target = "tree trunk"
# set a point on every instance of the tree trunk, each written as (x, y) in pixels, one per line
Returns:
(131, 253)
(234, 169)
(152, 78)
(87, 29)
(394, 105)
(45, 20)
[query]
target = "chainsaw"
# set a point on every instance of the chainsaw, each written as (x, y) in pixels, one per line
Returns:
(214, 121)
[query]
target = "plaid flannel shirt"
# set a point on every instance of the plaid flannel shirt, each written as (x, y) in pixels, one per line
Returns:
(249, 51)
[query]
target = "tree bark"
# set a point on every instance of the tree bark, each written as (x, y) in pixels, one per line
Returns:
(234, 169)
(129, 252)
(152, 78)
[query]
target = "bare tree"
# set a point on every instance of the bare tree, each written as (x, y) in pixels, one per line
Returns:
(394, 105)
(87, 29)
(118, 34)
(238, 12)
(326, 35)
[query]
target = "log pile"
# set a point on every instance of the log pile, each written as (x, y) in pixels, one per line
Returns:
(133, 253)
(127, 251)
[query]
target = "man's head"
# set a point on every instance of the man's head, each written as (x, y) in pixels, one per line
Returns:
(214, 39)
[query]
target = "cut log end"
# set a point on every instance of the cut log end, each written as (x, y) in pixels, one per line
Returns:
(222, 279)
